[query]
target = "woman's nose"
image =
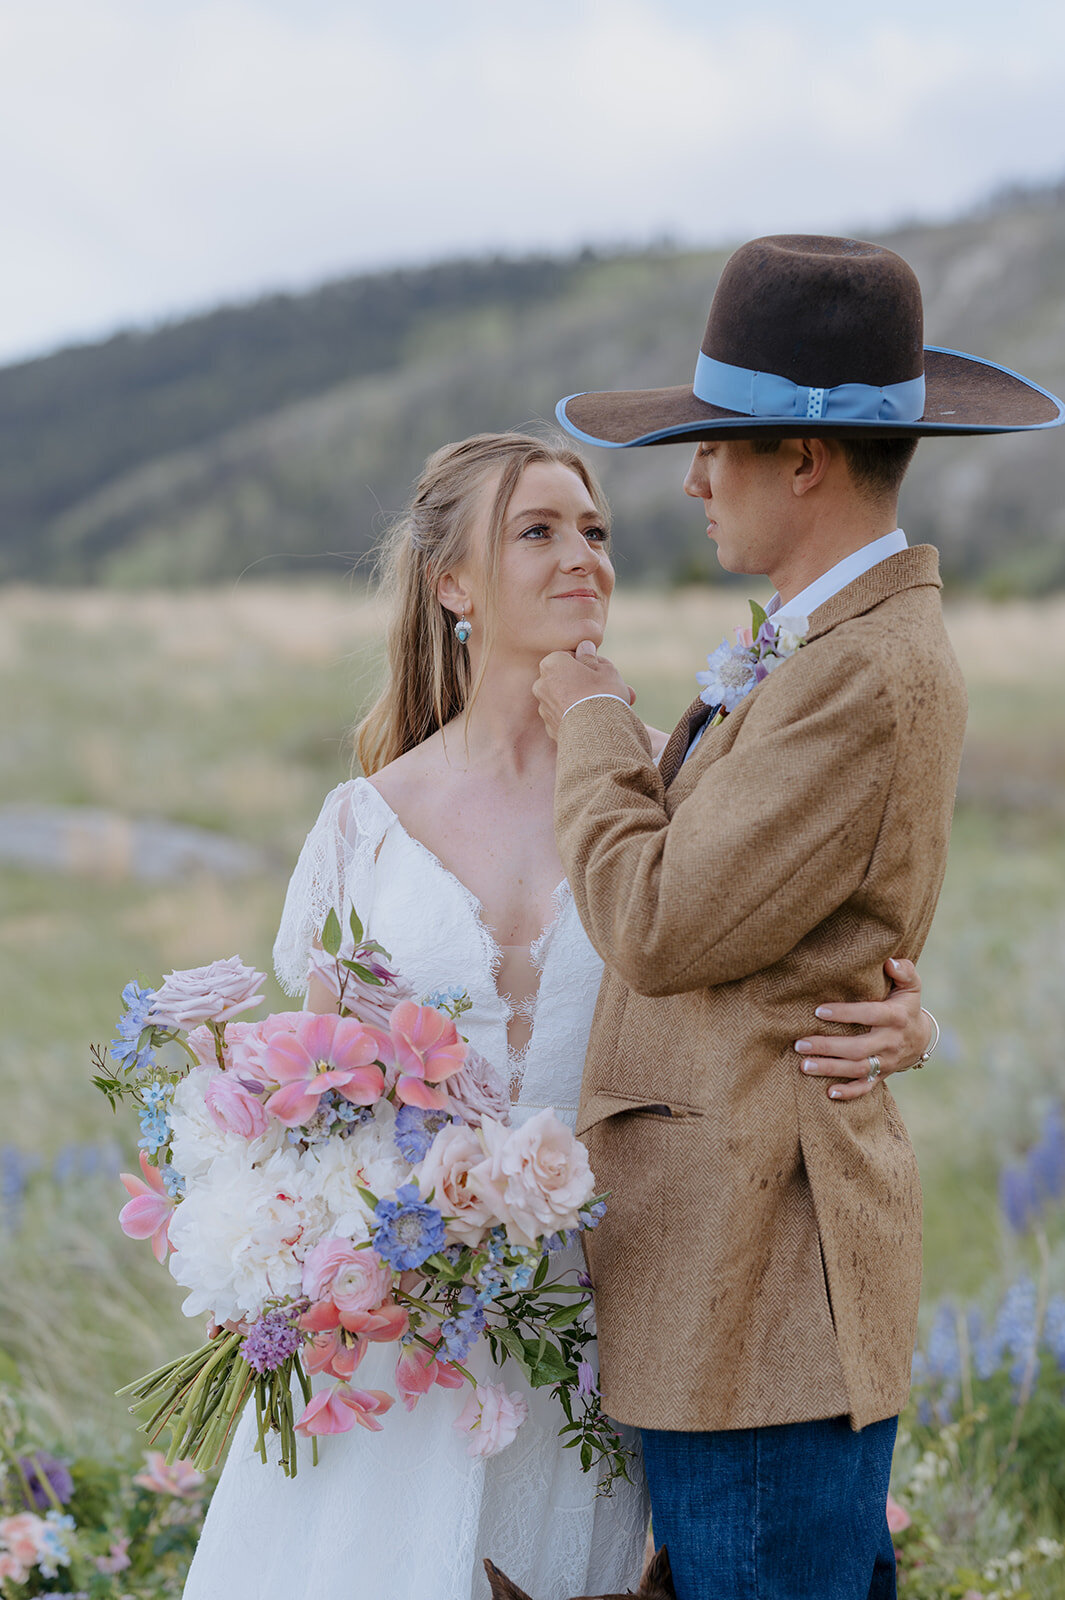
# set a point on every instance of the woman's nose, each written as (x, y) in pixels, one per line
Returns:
(578, 554)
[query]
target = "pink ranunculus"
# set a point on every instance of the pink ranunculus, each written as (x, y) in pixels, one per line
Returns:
(147, 1215)
(450, 1173)
(898, 1517)
(319, 1053)
(215, 993)
(235, 1109)
(344, 1281)
(372, 1003)
(179, 1478)
(116, 1560)
(477, 1091)
(337, 1410)
(423, 1048)
(541, 1172)
(418, 1369)
(492, 1418)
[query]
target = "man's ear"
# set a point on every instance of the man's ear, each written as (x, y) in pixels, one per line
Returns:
(811, 460)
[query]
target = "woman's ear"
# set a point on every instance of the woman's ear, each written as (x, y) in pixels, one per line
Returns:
(452, 593)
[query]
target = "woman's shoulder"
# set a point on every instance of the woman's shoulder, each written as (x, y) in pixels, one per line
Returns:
(403, 780)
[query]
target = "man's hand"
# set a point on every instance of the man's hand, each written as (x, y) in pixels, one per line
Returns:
(564, 679)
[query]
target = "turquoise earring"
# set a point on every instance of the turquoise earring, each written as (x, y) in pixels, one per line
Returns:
(462, 628)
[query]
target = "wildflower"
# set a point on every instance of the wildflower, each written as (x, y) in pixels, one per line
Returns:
(462, 1330)
(408, 1231)
(179, 1478)
(586, 1384)
(47, 1480)
(116, 1560)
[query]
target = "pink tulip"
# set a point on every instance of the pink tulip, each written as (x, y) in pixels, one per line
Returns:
(179, 1478)
(316, 1054)
(898, 1517)
(418, 1369)
(147, 1215)
(337, 1410)
(234, 1109)
(334, 1353)
(423, 1047)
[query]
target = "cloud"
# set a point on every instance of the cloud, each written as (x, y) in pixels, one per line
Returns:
(163, 154)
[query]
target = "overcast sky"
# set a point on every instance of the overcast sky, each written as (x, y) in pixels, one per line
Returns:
(158, 156)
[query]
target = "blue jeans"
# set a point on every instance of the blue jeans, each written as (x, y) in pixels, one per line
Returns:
(796, 1512)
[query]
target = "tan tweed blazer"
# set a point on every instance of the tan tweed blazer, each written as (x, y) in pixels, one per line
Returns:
(760, 1261)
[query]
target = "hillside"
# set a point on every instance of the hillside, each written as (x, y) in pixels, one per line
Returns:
(280, 435)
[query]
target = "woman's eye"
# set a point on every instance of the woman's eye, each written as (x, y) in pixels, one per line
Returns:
(540, 530)
(599, 535)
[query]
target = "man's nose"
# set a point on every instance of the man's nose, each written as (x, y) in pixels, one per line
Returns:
(695, 482)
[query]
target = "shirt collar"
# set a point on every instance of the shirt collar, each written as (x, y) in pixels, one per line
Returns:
(836, 578)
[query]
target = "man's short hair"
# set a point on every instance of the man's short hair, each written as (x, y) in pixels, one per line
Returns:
(876, 466)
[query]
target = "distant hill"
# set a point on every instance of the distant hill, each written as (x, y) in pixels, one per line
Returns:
(280, 435)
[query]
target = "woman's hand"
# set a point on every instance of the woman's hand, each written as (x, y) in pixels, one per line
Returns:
(898, 1035)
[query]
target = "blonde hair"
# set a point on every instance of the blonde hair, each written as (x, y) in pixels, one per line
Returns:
(428, 671)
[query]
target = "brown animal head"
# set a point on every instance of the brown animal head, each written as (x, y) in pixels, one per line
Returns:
(656, 1583)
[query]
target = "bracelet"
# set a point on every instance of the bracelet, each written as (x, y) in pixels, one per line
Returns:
(922, 1059)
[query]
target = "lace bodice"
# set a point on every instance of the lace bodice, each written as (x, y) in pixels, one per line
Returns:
(406, 1514)
(359, 854)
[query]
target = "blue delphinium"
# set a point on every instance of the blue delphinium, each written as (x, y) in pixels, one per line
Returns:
(124, 1047)
(408, 1231)
(459, 1332)
(443, 998)
(155, 1116)
(416, 1129)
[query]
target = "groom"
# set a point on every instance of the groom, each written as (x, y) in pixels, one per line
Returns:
(758, 1271)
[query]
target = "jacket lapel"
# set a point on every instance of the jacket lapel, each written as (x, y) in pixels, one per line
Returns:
(672, 758)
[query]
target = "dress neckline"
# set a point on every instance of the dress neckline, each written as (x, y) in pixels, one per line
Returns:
(516, 1059)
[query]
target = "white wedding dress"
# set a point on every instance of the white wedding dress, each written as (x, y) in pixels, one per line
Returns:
(406, 1514)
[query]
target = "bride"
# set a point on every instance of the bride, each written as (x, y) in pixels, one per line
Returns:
(447, 851)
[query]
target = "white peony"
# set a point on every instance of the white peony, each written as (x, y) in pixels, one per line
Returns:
(240, 1234)
(197, 1140)
(336, 1169)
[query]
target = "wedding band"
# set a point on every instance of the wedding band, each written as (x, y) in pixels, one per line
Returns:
(874, 1068)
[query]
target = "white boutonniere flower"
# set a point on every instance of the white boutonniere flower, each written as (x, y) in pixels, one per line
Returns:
(735, 669)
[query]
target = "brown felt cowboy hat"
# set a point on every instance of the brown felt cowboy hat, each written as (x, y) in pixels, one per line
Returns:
(813, 335)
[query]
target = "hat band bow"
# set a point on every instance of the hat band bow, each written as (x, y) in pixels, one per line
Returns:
(766, 394)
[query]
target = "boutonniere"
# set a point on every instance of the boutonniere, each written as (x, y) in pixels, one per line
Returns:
(735, 669)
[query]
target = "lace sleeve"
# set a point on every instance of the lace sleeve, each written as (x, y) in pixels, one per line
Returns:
(326, 876)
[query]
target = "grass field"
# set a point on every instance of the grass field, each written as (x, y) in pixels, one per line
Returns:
(229, 709)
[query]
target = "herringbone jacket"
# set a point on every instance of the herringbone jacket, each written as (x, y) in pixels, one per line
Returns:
(761, 1255)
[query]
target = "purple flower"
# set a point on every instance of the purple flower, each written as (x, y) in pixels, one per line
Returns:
(1046, 1160)
(1017, 1198)
(416, 1129)
(271, 1341)
(408, 1232)
(41, 1470)
(124, 1047)
(586, 1383)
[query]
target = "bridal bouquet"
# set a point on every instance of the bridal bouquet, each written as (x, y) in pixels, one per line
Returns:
(324, 1182)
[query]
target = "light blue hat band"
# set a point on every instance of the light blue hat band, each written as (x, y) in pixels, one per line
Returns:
(765, 394)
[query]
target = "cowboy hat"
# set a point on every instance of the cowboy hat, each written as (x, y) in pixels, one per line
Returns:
(813, 335)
